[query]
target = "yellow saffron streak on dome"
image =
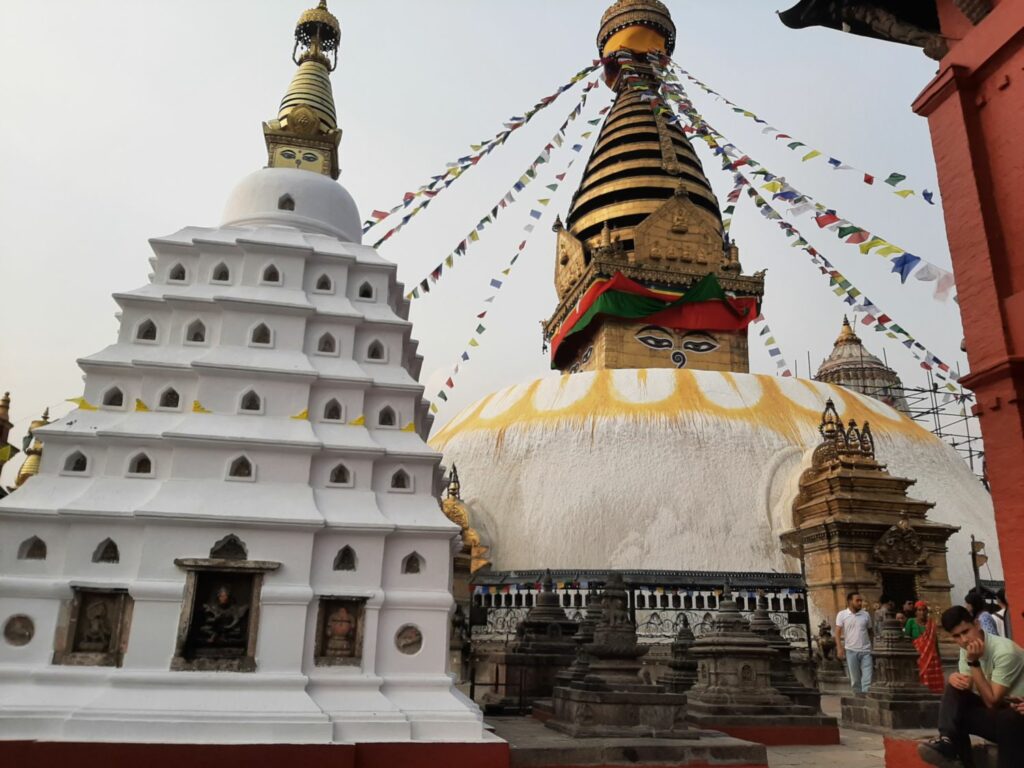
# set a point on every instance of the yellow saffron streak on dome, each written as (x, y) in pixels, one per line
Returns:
(773, 409)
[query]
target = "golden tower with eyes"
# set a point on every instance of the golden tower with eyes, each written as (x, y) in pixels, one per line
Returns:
(644, 210)
(305, 134)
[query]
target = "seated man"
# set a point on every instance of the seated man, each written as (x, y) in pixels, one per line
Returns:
(985, 698)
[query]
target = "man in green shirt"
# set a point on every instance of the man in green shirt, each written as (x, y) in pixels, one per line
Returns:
(985, 698)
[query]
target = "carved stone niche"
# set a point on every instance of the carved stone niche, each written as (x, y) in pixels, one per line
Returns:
(92, 629)
(339, 631)
(220, 610)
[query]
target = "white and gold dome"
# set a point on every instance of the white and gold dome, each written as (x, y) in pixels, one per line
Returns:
(674, 469)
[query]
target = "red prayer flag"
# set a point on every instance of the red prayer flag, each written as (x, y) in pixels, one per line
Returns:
(858, 237)
(378, 215)
(409, 196)
(869, 179)
(450, 384)
(824, 219)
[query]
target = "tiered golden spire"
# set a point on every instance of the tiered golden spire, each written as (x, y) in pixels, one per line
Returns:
(846, 334)
(305, 134)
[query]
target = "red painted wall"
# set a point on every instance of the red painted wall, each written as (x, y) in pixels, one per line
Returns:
(975, 110)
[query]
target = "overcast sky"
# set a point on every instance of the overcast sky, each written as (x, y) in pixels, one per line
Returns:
(130, 120)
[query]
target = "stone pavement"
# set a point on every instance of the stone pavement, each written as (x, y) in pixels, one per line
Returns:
(857, 750)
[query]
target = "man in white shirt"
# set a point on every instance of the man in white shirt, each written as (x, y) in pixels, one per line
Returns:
(853, 641)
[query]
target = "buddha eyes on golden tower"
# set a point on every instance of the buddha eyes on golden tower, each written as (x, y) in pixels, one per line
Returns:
(645, 209)
(305, 134)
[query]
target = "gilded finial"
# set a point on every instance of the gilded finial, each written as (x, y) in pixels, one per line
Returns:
(829, 420)
(305, 134)
(454, 486)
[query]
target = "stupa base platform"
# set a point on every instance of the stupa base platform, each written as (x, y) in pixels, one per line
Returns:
(534, 744)
(774, 730)
(491, 753)
(882, 715)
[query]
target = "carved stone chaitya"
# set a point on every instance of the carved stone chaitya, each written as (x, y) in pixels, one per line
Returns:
(613, 700)
(545, 645)
(339, 631)
(734, 680)
(896, 698)
(783, 678)
(93, 628)
(683, 667)
(858, 530)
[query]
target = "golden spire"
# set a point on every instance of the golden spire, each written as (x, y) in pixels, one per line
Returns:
(34, 453)
(305, 134)
(846, 334)
(5, 406)
(641, 26)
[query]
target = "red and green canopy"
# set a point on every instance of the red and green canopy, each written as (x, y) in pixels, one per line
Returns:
(705, 307)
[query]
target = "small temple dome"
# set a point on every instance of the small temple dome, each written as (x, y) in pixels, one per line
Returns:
(850, 365)
(291, 197)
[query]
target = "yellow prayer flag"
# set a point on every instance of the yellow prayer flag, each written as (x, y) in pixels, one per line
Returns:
(773, 186)
(904, 193)
(874, 242)
(82, 403)
(410, 427)
(449, 260)
(433, 407)
(361, 421)
(810, 155)
(140, 406)
(506, 271)
(474, 343)
(889, 250)
(302, 416)
(197, 407)
(474, 236)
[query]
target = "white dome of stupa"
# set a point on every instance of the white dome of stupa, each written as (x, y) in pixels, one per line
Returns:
(676, 469)
(311, 202)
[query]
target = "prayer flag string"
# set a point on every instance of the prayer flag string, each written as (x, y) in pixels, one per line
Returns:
(844, 288)
(496, 284)
(458, 167)
(892, 179)
(556, 143)
(774, 352)
(904, 264)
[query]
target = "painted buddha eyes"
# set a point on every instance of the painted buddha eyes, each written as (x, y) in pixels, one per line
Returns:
(288, 154)
(699, 346)
(656, 337)
(309, 157)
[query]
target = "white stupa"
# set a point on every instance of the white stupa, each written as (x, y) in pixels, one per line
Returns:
(236, 538)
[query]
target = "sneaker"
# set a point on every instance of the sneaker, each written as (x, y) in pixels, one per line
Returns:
(939, 752)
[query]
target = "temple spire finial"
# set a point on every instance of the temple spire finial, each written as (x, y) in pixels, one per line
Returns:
(305, 134)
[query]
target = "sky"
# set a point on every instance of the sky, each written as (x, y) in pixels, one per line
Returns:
(131, 120)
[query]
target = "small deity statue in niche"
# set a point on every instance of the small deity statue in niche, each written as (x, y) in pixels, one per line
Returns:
(656, 252)
(679, 225)
(340, 633)
(97, 631)
(223, 620)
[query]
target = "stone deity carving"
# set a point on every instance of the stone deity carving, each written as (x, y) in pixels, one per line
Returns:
(96, 636)
(340, 631)
(223, 619)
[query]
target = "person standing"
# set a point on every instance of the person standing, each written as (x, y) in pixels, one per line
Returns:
(853, 641)
(984, 698)
(922, 630)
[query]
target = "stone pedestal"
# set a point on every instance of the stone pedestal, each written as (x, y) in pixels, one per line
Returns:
(783, 677)
(683, 667)
(896, 698)
(612, 701)
(734, 691)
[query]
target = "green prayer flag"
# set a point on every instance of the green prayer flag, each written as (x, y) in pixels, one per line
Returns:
(847, 231)
(480, 329)
(894, 179)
